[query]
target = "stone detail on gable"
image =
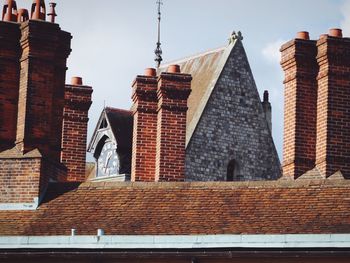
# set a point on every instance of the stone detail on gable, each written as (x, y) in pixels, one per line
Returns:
(233, 127)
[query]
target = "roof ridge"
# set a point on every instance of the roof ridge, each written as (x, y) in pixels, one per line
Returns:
(194, 56)
(278, 184)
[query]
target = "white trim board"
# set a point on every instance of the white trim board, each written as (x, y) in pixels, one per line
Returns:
(177, 242)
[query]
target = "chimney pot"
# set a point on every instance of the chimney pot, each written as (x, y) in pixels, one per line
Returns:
(23, 15)
(303, 35)
(38, 10)
(335, 32)
(77, 81)
(174, 69)
(52, 13)
(9, 13)
(150, 72)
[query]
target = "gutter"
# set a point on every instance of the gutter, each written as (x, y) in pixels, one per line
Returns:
(289, 241)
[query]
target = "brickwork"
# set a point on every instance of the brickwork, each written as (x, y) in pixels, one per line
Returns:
(75, 123)
(233, 128)
(145, 129)
(9, 82)
(173, 92)
(333, 114)
(24, 178)
(300, 67)
(42, 75)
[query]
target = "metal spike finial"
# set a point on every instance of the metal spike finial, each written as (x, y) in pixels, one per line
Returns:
(158, 51)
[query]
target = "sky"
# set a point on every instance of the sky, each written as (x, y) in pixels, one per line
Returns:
(114, 40)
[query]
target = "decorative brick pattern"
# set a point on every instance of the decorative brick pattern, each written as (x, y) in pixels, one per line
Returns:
(173, 92)
(75, 123)
(9, 82)
(333, 106)
(143, 167)
(233, 127)
(41, 94)
(300, 67)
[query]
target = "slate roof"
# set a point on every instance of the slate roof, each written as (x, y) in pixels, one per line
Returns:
(121, 122)
(288, 207)
(205, 69)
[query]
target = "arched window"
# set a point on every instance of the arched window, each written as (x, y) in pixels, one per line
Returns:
(233, 171)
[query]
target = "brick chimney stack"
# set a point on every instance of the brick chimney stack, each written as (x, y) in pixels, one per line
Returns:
(145, 127)
(9, 82)
(300, 68)
(45, 48)
(333, 106)
(75, 124)
(174, 89)
(33, 55)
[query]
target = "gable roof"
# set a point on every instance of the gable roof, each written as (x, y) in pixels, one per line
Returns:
(205, 69)
(121, 124)
(288, 207)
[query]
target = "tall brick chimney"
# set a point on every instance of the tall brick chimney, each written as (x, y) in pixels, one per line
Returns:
(32, 72)
(145, 127)
(45, 48)
(9, 82)
(173, 91)
(333, 106)
(300, 67)
(75, 124)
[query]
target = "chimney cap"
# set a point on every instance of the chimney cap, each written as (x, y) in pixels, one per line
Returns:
(336, 32)
(77, 81)
(266, 96)
(303, 35)
(150, 72)
(174, 69)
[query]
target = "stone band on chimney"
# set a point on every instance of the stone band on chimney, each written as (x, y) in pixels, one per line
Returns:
(174, 89)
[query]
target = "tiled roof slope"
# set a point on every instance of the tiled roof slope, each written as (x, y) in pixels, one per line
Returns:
(318, 206)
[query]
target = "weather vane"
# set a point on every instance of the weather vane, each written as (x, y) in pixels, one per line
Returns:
(158, 50)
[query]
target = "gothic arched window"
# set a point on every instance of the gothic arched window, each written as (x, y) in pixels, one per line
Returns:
(233, 171)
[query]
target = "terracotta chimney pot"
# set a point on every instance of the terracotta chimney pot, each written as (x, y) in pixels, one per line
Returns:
(150, 72)
(77, 81)
(174, 69)
(335, 32)
(303, 35)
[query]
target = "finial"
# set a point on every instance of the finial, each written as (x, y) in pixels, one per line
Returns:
(52, 13)
(266, 96)
(38, 10)
(158, 51)
(9, 12)
(235, 36)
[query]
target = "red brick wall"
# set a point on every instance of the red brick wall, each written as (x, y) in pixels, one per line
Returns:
(145, 129)
(9, 82)
(300, 67)
(173, 92)
(75, 124)
(22, 179)
(45, 48)
(333, 107)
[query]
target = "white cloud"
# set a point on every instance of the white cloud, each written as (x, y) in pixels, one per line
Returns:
(345, 23)
(271, 51)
